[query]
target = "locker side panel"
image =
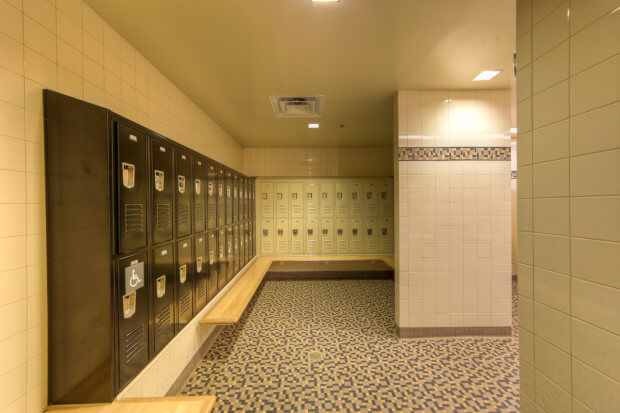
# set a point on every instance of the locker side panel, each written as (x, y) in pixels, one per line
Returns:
(266, 200)
(298, 236)
(328, 195)
(327, 236)
(342, 236)
(296, 190)
(342, 200)
(267, 239)
(356, 235)
(184, 283)
(356, 202)
(282, 236)
(162, 290)
(162, 190)
(371, 202)
(211, 196)
(131, 192)
(282, 200)
(183, 192)
(386, 235)
(312, 236)
(201, 270)
(371, 239)
(311, 200)
(386, 199)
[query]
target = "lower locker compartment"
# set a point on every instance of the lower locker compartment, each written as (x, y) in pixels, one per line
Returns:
(201, 272)
(212, 287)
(222, 262)
(184, 283)
(162, 289)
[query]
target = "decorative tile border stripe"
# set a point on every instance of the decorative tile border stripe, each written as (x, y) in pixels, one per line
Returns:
(420, 332)
(454, 153)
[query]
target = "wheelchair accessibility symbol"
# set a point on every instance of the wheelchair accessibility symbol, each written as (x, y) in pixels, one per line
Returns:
(134, 277)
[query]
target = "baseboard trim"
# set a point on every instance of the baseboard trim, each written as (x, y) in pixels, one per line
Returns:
(193, 362)
(423, 332)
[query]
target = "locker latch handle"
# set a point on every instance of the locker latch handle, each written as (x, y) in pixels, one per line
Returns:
(383, 195)
(294, 232)
(197, 184)
(369, 231)
(182, 274)
(211, 257)
(325, 232)
(159, 180)
(384, 231)
(354, 231)
(280, 232)
(339, 231)
(199, 264)
(129, 175)
(309, 232)
(265, 232)
(129, 304)
(161, 286)
(181, 183)
(369, 195)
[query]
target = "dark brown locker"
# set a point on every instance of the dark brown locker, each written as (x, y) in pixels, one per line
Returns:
(184, 282)
(246, 200)
(251, 197)
(201, 272)
(199, 192)
(241, 245)
(222, 259)
(133, 317)
(235, 203)
(212, 257)
(211, 196)
(183, 198)
(229, 198)
(162, 190)
(246, 236)
(221, 197)
(236, 244)
(162, 290)
(229, 254)
(131, 188)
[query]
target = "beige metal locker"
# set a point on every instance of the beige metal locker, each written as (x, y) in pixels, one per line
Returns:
(342, 200)
(328, 195)
(356, 201)
(298, 236)
(371, 240)
(386, 199)
(297, 199)
(386, 235)
(266, 200)
(311, 200)
(267, 237)
(356, 235)
(327, 236)
(342, 236)
(371, 199)
(282, 236)
(312, 236)
(282, 200)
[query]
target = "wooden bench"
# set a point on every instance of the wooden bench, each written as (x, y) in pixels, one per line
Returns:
(230, 307)
(175, 404)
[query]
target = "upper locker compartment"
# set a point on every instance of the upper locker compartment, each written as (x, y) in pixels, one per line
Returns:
(311, 200)
(183, 191)
(386, 199)
(266, 199)
(131, 186)
(229, 197)
(356, 203)
(235, 202)
(221, 197)
(371, 201)
(327, 199)
(199, 172)
(342, 200)
(211, 196)
(162, 190)
(282, 200)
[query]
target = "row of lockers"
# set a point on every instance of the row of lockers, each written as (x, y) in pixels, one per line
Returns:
(330, 199)
(327, 236)
(178, 280)
(187, 192)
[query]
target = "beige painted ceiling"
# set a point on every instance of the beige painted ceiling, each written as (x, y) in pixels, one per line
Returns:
(229, 56)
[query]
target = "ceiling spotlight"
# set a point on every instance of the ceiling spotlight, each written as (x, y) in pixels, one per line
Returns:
(325, 1)
(313, 126)
(487, 75)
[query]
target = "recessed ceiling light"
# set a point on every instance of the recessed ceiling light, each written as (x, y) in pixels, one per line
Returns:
(325, 1)
(313, 126)
(447, 101)
(514, 130)
(487, 75)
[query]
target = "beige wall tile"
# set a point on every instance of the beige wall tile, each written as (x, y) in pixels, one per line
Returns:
(12, 153)
(550, 31)
(70, 58)
(595, 87)
(11, 87)
(526, 346)
(524, 149)
(12, 352)
(585, 12)
(604, 33)
(524, 83)
(551, 216)
(551, 142)
(524, 16)
(596, 261)
(552, 252)
(526, 313)
(596, 347)
(11, 21)
(553, 326)
(524, 214)
(552, 289)
(72, 9)
(596, 130)
(596, 304)
(524, 116)
(15, 283)
(11, 120)
(524, 182)
(553, 363)
(41, 11)
(526, 250)
(12, 220)
(551, 68)
(595, 174)
(13, 385)
(70, 31)
(12, 319)
(550, 105)
(596, 218)
(550, 396)
(542, 8)
(12, 184)
(526, 280)
(524, 46)
(526, 376)
(11, 54)
(594, 389)
(39, 39)
(550, 179)
(40, 69)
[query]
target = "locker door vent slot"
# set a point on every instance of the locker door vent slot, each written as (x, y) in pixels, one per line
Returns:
(162, 216)
(200, 212)
(201, 290)
(134, 343)
(134, 218)
(183, 214)
(185, 305)
(163, 320)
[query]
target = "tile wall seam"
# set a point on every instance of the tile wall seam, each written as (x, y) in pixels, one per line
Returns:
(570, 249)
(589, 24)
(573, 74)
(544, 16)
(531, 116)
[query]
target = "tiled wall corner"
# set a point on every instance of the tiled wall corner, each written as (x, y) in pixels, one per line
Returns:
(568, 201)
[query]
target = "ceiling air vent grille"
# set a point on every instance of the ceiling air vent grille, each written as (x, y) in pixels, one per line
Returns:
(297, 106)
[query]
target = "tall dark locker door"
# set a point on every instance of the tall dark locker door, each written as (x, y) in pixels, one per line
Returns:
(202, 271)
(131, 188)
(235, 203)
(246, 200)
(133, 317)
(184, 282)
(252, 199)
(162, 190)
(183, 198)
(199, 172)
(229, 198)
(246, 236)
(221, 197)
(222, 259)
(212, 255)
(241, 246)
(162, 290)
(235, 249)
(230, 253)
(211, 196)
(253, 240)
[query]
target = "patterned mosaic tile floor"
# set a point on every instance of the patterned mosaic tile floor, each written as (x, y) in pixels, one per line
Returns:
(262, 363)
